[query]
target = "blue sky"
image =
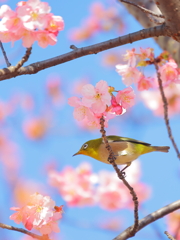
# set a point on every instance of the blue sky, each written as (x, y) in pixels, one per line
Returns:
(160, 171)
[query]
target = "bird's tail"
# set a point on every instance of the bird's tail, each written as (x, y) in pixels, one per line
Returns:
(161, 149)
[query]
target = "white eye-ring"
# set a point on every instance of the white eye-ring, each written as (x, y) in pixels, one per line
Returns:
(85, 146)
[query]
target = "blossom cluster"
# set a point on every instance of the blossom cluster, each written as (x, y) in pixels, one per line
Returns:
(99, 101)
(153, 100)
(31, 21)
(81, 187)
(40, 213)
(100, 19)
(130, 73)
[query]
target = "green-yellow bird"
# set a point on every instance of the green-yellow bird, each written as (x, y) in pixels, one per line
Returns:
(125, 149)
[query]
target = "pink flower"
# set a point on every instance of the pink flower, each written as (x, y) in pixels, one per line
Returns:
(126, 97)
(145, 83)
(45, 38)
(34, 14)
(131, 57)
(115, 106)
(80, 112)
(129, 74)
(75, 185)
(153, 101)
(146, 53)
(169, 72)
(40, 213)
(110, 192)
(55, 23)
(35, 128)
(96, 97)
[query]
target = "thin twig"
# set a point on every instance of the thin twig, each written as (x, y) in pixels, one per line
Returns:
(4, 54)
(151, 218)
(33, 235)
(165, 105)
(23, 60)
(145, 10)
(112, 159)
(169, 236)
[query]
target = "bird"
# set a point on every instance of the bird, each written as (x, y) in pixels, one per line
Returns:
(125, 149)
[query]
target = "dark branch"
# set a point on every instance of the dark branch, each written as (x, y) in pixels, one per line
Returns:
(4, 54)
(165, 105)
(6, 73)
(151, 218)
(111, 159)
(145, 10)
(44, 237)
(169, 236)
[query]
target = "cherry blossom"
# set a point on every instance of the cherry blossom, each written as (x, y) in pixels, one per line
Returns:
(35, 128)
(75, 185)
(145, 83)
(126, 97)
(99, 101)
(31, 21)
(131, 57)
(169, 72)
(40, 213)
(129, 74)
(96, 97)
(81, 187)
(153, 100)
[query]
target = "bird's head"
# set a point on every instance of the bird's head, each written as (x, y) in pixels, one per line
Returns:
(90, 148)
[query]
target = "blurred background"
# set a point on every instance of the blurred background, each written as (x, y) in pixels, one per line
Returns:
(39, 134)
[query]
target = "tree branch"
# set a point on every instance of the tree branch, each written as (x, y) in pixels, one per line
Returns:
(171, 12)
(150, 218)
(4, 54)
(145, 10)
(132, 231)
(6, 73)
(165, 105)
(169, 236)
(166, 43)
(44, 237)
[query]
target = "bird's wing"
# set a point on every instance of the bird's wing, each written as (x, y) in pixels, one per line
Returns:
(114, 139)
(118, 146)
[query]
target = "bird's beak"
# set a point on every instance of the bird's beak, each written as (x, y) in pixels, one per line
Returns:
(77, 153)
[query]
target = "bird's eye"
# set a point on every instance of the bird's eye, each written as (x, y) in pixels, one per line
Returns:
(85, 146)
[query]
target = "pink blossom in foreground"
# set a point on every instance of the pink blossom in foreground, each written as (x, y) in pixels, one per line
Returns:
(96, 97)
(40, 213)
(126, 97)
(169, 73)
(129, 75)
(31, 21)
